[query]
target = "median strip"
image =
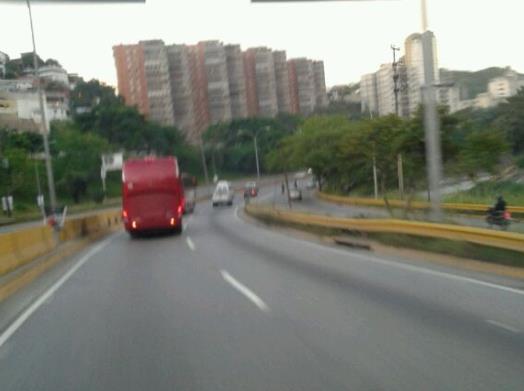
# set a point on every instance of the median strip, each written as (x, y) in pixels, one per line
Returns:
(456, 207)
(495, 252)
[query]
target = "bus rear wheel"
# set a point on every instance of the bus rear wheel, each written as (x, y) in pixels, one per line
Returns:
(177, 230)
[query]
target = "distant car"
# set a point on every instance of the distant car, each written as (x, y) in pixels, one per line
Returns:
(223, 194)
(311, 184)
(295, 194)
(250, 190)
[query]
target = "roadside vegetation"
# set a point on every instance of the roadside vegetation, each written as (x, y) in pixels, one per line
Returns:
(484, 192)
(341, 151)
(101, 123)
(337, 144)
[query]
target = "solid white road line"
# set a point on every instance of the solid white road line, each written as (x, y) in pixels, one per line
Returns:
(503, 326)
(244, 290)
(190, 243)
(13, 327)
(391, 263)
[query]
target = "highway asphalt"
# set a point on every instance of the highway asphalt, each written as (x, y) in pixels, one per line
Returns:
(232, 305)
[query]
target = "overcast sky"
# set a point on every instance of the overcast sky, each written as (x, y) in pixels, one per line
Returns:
(352, 38)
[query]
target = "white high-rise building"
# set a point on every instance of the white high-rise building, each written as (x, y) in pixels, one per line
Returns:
(385, 90)
(505, 86)
(414, 61)
(4, 58)
(449, 96)
(369, 94)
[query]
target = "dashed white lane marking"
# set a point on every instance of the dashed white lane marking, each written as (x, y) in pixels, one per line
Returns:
(503, 326)
(13, 327)
(245, 291)
(236, 214)
(190, 243)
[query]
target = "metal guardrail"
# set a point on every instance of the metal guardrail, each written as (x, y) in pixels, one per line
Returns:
(459, 207)
(504, 240)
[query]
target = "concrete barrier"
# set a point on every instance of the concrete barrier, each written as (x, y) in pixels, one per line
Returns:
(21, 247)
(457, 207)
(504, 240)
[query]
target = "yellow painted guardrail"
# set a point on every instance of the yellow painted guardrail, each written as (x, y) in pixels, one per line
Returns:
(18, 248)
(505, 240)
(414, 204)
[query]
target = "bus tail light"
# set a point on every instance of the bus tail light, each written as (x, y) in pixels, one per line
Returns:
(172, 221)
(179, 210)
(133, 224)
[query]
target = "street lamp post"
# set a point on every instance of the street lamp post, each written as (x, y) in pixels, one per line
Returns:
(43, 120)
(255, 145)
(203, 158)
(256, 156)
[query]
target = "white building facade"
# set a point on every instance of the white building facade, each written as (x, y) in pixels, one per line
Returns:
(414, 61)
(54, 73)
(369, 94)
(4, 58)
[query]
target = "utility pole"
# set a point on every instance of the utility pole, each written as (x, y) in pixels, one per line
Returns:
(40, 196)
(375, 180)
(424, 12)
(431, 119)
(396, 88)
(43, 120)
(400, 169)
(203, 157)
(256, 156)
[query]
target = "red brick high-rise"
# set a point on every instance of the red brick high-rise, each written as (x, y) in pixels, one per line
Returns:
(199, 83)
(293, 88)
(251, 83)
(193, 87)
(129, 61)
(143, 79)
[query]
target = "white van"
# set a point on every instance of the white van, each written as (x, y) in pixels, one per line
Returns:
(223, 194)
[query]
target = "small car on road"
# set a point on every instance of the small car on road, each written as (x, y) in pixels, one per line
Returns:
(295, 194)
(223, 194)
(250, 190)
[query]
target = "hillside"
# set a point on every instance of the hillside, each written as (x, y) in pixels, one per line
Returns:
(472, 83)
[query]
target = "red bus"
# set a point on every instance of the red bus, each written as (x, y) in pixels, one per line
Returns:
(152, 195)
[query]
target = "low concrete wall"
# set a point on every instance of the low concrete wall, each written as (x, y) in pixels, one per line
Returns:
(23, 246)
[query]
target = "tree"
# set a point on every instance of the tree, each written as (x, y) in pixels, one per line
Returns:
(77, 160)
(511, 121)
(17, 176)
(230, 145)
(52, 62)
(90, 94)
(482, 151)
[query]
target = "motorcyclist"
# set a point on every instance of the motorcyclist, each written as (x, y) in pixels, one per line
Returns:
(500, 205)
(498, 213)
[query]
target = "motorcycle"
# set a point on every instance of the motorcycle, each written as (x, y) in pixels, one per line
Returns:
(499, 218)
